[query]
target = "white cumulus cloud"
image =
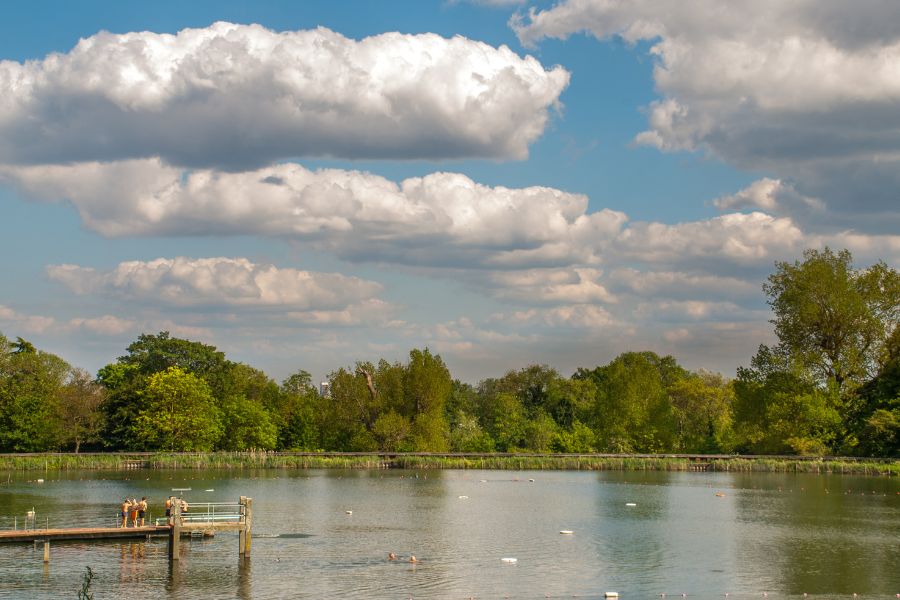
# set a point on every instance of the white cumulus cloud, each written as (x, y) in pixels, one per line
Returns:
(807, 90)
(217, 282)
(440, 219)
(240, 96)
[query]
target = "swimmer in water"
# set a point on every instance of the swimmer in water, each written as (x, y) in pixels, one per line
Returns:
(392, 556)
(413, 559)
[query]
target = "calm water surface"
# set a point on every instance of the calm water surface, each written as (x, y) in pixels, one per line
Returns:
(785, 535)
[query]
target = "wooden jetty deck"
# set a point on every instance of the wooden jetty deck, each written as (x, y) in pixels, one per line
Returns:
(84, 533)
(234, 516)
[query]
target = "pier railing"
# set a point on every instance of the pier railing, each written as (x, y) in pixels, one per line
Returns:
(210, 512)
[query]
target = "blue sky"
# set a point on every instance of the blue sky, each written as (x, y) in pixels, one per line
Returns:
(506, 183)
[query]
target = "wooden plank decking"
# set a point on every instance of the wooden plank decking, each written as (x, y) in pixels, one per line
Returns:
(84, 533)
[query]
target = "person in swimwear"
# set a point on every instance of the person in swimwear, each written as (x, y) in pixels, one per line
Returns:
(392, 556)
(169, 510)
(126, 506)
(184, 509)
(142, 509)
(134, 512)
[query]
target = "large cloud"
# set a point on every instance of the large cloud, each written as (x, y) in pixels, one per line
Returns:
(807, 90)
(240, 96)
(442, 220)
(223, 282)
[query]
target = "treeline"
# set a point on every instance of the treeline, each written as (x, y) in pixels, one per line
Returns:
(830, 386)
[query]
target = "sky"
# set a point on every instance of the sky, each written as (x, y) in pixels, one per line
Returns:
(507, 183)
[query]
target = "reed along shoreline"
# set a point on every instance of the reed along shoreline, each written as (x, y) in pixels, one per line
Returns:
(416, 460)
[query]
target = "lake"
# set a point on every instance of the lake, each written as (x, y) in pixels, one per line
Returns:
(641, 534)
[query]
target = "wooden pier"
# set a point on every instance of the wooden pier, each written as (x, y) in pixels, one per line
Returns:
(202, 519)
(83, 533)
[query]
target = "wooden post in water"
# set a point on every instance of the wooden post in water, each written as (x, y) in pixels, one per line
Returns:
(245, 536)
(242, 534)
(175, 532)
(248, 525)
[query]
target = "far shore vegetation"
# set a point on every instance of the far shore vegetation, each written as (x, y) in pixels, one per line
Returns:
(426, 461)
(830, 386)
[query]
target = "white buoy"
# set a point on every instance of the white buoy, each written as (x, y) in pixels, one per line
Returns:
(349, 512)
(630, 504)
(610, 594)
(509, 560)
(210, 490)
(40, 481)
(531, 480)
(566, 531)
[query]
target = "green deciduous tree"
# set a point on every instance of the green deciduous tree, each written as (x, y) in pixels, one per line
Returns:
(468, 436)
(178, 414)
(127, 378)
(831, 318)
(31, 382)
(632, 411)
(80, 400)
(248, 394)
(701, 406)
(298, 413)
(833, 323)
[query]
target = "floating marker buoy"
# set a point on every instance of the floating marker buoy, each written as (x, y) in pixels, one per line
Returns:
(566, 531)
(483, 480)
(531, 480)
(610, 594)
(509, 560)
(40, 481)
(630, 504)
(463, 497)
(720, 495)
(210, 490)
(349, 512)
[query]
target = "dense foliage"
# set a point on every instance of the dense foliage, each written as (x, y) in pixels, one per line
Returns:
(831, 385)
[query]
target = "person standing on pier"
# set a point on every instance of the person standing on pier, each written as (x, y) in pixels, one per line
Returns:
(142, 509)
(184, 508)
(134, 512)
(126, 506)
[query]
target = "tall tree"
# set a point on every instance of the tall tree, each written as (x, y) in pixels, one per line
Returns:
(701, 405)
(127, 378)
(80, 401)
(179, 413)
(831, 318)
(298, 412)
(427, 388)
(633, 412)
(30, 386)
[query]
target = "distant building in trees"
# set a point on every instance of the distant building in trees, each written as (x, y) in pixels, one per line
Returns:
(325, 389)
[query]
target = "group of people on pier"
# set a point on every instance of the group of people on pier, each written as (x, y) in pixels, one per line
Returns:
(134, 511)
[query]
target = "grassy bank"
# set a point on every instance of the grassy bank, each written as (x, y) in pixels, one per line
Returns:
(588, 462)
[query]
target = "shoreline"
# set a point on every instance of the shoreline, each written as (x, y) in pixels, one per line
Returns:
(416, 460)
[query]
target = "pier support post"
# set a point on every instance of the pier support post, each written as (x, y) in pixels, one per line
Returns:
(248, 525)
(242, 534)
(46, 551)
(175, 532)
(245, 536)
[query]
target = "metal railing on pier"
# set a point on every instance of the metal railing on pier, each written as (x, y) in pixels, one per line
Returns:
(210, 512)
